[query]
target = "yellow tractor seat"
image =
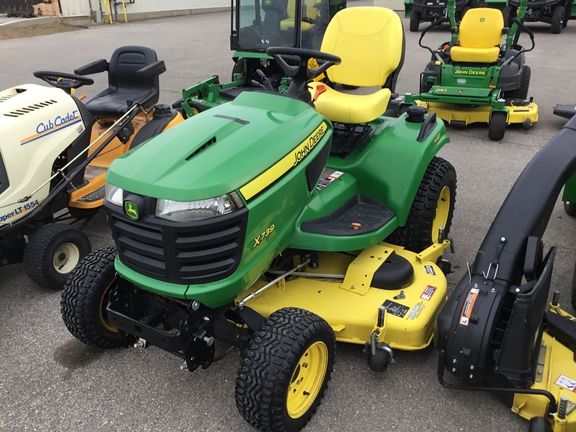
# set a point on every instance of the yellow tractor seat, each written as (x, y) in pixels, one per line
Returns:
(370, 42)
(311, 12)
(479, 36)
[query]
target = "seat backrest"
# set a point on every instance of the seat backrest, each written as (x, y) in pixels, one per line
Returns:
(481, 28)
(370, 42)
(124, 64)
(311, 11)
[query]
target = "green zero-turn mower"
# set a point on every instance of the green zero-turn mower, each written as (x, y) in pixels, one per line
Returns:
(475, 78)
(260, 223)
(255, 26)
(496, 331)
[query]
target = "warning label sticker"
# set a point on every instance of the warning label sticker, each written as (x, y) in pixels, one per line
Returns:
(468, 306)
(428, 293)
(429, 270)
(328, 176)
(567, 383)
(395, 309)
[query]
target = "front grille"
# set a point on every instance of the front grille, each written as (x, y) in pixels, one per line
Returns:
(190, 253)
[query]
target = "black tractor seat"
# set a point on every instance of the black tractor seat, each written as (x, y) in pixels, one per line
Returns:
(132, 78)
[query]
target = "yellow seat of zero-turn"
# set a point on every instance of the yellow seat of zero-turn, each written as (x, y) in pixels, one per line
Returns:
(311, 12)
(479, 36)
(370, 42)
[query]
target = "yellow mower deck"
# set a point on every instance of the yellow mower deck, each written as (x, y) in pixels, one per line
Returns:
(480, 114)
(91, 195)
(350, 305)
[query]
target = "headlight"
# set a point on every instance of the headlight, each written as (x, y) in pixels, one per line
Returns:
(114, 195)
(197, 210)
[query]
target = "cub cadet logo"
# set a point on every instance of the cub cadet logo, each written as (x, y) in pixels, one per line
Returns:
(469, 72)
(16, 211)
(50, 126)
(131, 209)
(262, 236)
(306, 147)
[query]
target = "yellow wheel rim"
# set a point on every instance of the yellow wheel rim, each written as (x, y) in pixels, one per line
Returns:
(307, 379)
(442, 212)
(103, 319)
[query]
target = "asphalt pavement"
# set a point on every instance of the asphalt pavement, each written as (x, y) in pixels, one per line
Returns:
(51, 382)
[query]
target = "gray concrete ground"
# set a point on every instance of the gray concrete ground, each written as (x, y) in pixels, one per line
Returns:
(51, 382)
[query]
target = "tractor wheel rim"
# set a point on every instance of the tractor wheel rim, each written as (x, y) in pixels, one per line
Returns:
(101, 310)
(442, 212)
(66, 258)
(307, 379)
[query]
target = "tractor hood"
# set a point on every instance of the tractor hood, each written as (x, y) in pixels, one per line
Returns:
(217, 151)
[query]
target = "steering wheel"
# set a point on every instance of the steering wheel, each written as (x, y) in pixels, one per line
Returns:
(63, 80)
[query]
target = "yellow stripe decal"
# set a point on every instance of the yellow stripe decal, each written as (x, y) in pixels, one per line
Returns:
(257, 185)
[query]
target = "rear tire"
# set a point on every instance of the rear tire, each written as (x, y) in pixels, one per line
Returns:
(508, 13)
(558, 17)
(522, 91)
(497, 126)
(285, 370)
(433, 207)
(84, 300)
(415, 20)
(52, 253)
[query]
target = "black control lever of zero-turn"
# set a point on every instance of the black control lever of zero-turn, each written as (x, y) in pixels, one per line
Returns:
(266, 84)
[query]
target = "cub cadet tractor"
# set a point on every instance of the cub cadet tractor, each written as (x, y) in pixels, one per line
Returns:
(430, 11)
(261, 222)
(57, 150)
(494, 333)
(475, 79)
(257, 25)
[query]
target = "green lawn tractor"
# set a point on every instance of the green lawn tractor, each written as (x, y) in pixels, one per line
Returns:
(475, 78)
(497, 331)
(280, 224)
(257, 25)
(430, 11)
(554, 12)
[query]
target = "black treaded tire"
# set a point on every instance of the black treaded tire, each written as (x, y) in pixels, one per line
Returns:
(497, 126)
(522, 91)
(415, 20)
(276, 362)
(570, 208)
(52, 252)
(84, 300)
(239, 68)
(419, 231)
(539, 424)
(558, 17)
(573, 289)
(508, 13)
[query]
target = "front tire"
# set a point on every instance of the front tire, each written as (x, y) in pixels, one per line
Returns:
(52, 253)
(433, 208)
(497, 126)
(285, 370)
(415, 20)
(84, 300)
(558, 17)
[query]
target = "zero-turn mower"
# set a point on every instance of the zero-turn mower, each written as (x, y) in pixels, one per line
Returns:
(257, 25)
(475, 78)
(496, 332)
(56, 152)
(261, 223)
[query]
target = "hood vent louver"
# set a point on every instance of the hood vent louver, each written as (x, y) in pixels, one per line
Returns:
(25, 110)
(201, 149)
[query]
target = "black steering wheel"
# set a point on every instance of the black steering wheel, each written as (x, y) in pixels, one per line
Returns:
(300, 73)
(63, 80)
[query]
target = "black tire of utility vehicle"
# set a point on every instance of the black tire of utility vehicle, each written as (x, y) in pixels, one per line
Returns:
(285, 370)
(508, 13)
(437, 191)
(497, 126)
(239, 68)
(522, 91)
(539, 424)
(415, 20)
(84, 299)
(52, 253)
(570, 208)
(557, 23)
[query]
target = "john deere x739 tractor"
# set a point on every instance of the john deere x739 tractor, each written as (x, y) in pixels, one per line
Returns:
(261, 223)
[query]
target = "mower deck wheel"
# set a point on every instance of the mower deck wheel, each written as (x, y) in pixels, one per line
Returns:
(285, 370)
(497, 126)
(433, 208)
(84, 300)
(415, 20)
(527, 124)
(557, 23)
(539, 424)
(52, 253)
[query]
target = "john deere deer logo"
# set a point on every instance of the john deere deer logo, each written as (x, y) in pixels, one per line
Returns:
(131, 209)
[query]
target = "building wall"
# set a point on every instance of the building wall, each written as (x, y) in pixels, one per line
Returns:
(71, 8)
